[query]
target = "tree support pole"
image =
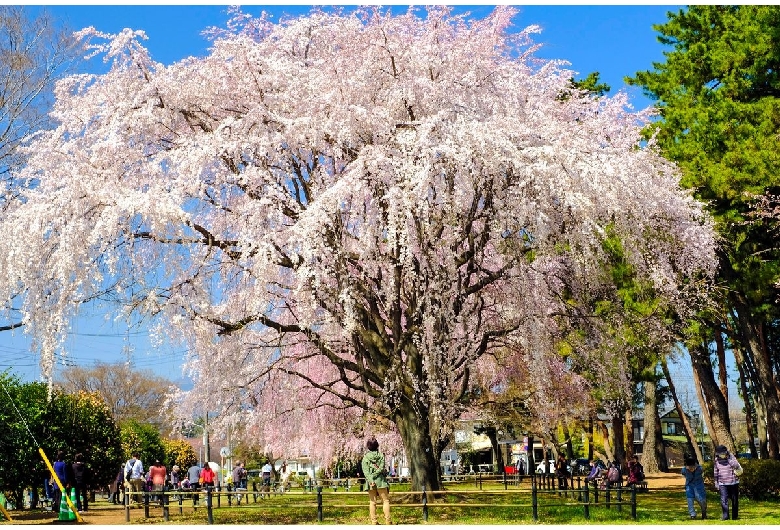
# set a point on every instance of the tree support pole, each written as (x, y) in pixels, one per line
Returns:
(59, 485)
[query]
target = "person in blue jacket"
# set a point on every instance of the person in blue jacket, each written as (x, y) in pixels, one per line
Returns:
(694, 487)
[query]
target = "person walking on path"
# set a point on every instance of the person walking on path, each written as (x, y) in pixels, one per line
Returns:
(373, 466)
(694, 486)
(81, 480)
(727, 471)
(134, 475)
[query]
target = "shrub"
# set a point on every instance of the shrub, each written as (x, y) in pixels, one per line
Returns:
(761, 479)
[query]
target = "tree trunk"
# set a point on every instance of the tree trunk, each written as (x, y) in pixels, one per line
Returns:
(423, 463)
(722, 376)
(750, 408)
(590, 437)
(628, 429)
(618, 438)
(649, 455)
(713, 405)
(660, 447)
(752, 338)
(605, 435)
(492, 435)
(690, 435)
(569, 444)
(761, 424)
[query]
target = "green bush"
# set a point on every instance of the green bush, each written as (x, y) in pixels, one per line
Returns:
(760, 480)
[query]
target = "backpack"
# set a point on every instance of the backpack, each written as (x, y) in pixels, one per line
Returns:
(613, 475)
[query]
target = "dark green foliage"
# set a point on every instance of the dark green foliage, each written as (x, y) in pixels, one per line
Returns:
(760, 480)
(71, 423)
(144, 438)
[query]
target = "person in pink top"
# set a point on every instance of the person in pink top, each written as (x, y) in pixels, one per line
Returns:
(158, 474)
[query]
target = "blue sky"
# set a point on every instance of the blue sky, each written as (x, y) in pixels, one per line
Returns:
(615, 40)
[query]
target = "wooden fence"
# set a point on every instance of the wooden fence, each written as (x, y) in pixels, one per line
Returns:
(523, 495)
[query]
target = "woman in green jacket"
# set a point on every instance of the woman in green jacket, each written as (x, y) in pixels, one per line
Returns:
(376, 480)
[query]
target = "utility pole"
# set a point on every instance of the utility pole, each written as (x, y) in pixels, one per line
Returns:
(207, 447)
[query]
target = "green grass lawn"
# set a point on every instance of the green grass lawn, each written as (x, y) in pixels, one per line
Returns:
(465, 504)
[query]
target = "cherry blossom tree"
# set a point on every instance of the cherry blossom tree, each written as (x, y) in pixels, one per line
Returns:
(349, 218)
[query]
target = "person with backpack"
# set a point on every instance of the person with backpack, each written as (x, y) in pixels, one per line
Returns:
(81, 480)
(727, 471)
(373, 466)
(614, 477)
(134, 478)
(694, 486)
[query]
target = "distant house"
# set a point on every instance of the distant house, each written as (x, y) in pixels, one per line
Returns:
(671, 425)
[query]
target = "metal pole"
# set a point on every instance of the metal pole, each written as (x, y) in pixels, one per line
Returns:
(633, 501)
(166, 516)
(534, 500)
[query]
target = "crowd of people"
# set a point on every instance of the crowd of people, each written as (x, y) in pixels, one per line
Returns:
(134, 479)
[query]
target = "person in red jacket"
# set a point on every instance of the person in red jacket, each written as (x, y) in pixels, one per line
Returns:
(207, 476)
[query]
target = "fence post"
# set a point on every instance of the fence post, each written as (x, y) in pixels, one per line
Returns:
(619, 499)
(319, 504)
(219, 496)
(534, 500)
(425, 504)
(586, 502)
(146, 504)
(633, 501)
(230, 500)
(127, 506)
(166, 515)
(504, 478)
(181, 503)
(607, 495)
(208, 505)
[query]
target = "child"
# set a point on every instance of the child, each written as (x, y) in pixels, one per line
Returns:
(694, 486)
